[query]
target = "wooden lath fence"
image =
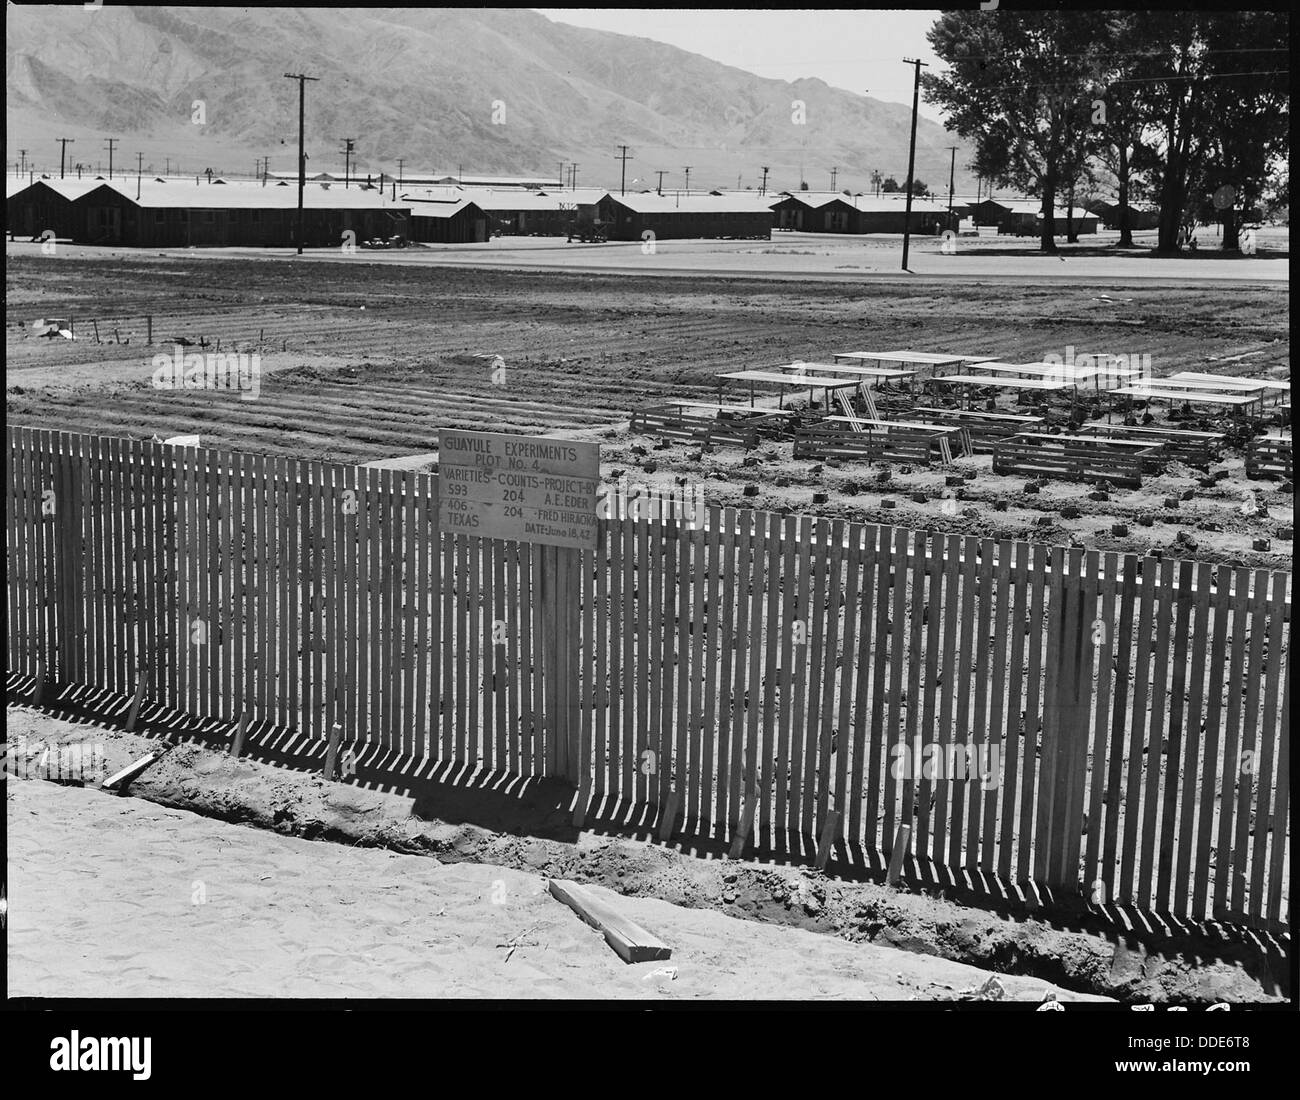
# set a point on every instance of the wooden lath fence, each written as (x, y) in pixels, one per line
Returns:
(1101, 724)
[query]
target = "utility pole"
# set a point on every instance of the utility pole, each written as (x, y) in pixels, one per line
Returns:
(622, 187)
(573, 176)
(400, 163)
(911, 155)
(139, 171)
(302, 155)
(688, 180)
(834, 172)
(952, 176)
(63, 146)
(348, 144)
(111, 143)
(561, 184)
(763, 189)
(659, 188)
(168, 170)
(22, 164)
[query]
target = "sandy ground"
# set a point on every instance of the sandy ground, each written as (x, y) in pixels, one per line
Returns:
(117, 897)
(520, 833)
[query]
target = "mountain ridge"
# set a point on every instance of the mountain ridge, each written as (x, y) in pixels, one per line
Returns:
(496, 90)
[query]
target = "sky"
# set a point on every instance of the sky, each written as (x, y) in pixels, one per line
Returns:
(859, 51)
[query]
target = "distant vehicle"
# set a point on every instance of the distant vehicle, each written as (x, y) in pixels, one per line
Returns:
(588, 229)
(379, 242)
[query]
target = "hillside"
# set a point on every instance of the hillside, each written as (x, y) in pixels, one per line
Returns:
(421, 84)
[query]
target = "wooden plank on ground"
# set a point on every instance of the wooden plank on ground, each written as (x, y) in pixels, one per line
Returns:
(631, 942)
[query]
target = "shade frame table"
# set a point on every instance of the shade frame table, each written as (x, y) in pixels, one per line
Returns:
(798, 381)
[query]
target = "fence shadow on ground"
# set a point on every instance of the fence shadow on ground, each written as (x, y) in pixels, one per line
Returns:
(543, 808)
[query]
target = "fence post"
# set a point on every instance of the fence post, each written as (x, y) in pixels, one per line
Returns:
(1063, 771)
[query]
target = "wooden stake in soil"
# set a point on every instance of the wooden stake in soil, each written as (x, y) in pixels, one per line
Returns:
(667, 821)
(901, 841)
(237, 746)
(134, 712)
(827, 841)
(332, 753)
(580, 810)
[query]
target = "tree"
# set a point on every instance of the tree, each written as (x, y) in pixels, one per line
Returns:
(1249, 114)
(1017, 87)
(890, 186)
(1117, 79)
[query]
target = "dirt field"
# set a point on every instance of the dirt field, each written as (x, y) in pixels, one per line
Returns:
(400, 904)
(366, 363)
